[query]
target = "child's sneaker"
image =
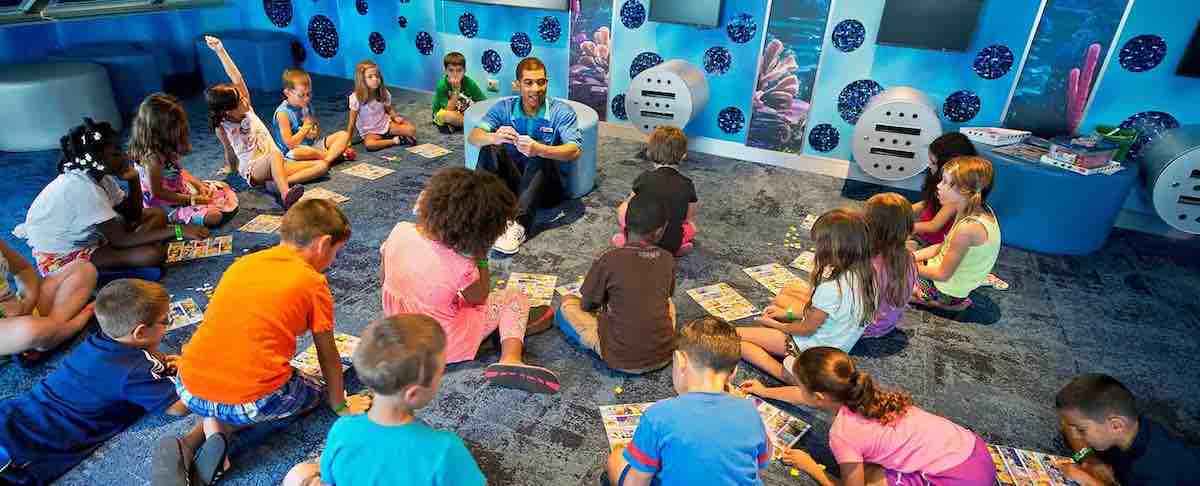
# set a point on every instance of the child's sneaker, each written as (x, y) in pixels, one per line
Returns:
(349, 154)
(533, 379)
(510, 242)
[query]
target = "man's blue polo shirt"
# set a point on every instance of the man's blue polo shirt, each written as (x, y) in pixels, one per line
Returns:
(554, 123)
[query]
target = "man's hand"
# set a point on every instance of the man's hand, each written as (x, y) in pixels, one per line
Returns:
(527, 146)
(506, 134)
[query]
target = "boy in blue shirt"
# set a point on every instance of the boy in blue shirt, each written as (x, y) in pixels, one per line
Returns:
(297, 132)
(104, 385)
(676, 441)
(401, 359)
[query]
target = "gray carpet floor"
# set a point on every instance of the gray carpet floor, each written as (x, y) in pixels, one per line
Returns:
(1129, 310)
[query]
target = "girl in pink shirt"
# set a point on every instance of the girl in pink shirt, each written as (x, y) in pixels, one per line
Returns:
(879, 437)
(439, 267)
(371, 111)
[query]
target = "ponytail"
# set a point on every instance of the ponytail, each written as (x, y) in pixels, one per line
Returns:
(972, 176)
(831, 371)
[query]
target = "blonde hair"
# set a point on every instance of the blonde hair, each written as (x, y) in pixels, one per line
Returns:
(124, 304)
(843, 246)
(312, 219)
(667, 145)
(160, 130)
(294, 76)
(365, 94)
(971, 176)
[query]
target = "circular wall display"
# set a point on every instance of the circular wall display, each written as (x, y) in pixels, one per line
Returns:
(633, 14)
(848, 35)
(824, 137)
(520, 44)
(893, 133)
(1143, 53)
(323, 36)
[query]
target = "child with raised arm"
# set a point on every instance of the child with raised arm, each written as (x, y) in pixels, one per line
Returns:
(83, 214)
(878, 437)
(249, 148)
(297, 130)
(160, 138)
(704, 435)
(832, 309)
(454, 93)
(439, 267)
(950, 270)
(401, 359)
(104, 385)
(371, 111)
(235, 371)
(625, 315)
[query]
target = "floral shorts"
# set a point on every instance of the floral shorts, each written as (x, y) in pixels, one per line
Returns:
(926, 288)
(48, 263)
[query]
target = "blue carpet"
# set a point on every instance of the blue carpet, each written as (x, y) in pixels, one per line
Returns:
(1129, 310)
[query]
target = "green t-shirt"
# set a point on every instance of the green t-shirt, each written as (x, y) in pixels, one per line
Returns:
(441, 95)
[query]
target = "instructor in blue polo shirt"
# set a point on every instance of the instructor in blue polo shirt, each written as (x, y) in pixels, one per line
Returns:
(526, 140)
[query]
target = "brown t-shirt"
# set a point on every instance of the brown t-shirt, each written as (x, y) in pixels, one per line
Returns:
(630, 287)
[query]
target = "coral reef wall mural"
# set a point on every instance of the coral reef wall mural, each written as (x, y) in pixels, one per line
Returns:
(591, 42)
(787, 69)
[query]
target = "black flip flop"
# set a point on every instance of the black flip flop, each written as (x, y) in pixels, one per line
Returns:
(170, 465)
(210, 459)
(293, 196)
(533, 379)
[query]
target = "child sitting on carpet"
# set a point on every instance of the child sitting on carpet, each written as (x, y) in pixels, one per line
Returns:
(83, 214)
(43, 312)
(371, 111)
(297, 129)
(704, 435)
(1097, 412)
(439, 267)
(832, 309)
(104, 385)
(949, 271)
(877, 436)
(934, 219)
(889, 223)
(235, 371)
(401, 359)
(666, 148)
(160, 137)
(249, 148)
(454, 93)
(626, 315)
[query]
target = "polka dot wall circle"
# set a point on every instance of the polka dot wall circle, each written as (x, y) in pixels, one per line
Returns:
(403, 21)
(849, 35)
(633, 14)
(424, 43)
(642, 62)
(731, 120)
(1143, 53)
(854, 97)
(717, 60)
(468, 25)
(278, 11)
(741, 28)
(1149, 125)
(961, 106)
(824, 137)
(550, 29)
(520, 44)
(377, 43)
(323, 36)
(491, 61)
(993, 61)
(361, 6)
(617, 107)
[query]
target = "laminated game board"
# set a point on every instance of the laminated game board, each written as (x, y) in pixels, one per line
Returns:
(722, 301)
(180, 251)
(773, 276)
(184, 313)
(263, 223)
(306, 362)
(368, 171)
(539, 288)
(1019, 467)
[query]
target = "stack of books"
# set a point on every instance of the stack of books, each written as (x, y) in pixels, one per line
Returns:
(1083, 155)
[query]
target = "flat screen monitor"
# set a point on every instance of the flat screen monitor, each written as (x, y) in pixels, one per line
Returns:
(543, 4)
(944, 25)
(1190, 65)
(705, 13)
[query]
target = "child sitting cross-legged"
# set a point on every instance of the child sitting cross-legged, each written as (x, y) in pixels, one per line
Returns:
(371, 111)
(878, 437)
(704, 435)
(889, 220)
(297, 130)
(1097, 413)
(439, 267)
(401, 359)
(454, 93)
(104, 385)
(666, 147)
(235, 372)
(625, 315)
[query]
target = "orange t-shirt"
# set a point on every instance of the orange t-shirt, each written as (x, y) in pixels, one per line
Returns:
(265, 300)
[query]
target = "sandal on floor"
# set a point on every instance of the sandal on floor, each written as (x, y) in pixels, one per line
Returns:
(994, 282)
(170, 465)
(293, 196)
(533, 379)
(210, 459)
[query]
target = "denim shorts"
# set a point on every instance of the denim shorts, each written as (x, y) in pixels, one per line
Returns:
(298, 395)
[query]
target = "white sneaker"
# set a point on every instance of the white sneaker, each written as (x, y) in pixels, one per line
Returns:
(510, 242)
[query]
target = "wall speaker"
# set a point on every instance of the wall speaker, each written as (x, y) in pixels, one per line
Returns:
(1171, 173)
(892, 136)
(671, 93)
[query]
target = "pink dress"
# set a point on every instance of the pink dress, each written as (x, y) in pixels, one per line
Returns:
(174, 178)
(372, 115)
(422, 276)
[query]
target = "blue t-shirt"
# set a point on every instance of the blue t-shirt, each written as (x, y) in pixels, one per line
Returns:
(554, 123)
(359, 452)
(679, 449)
(99, 389)
(295, 121)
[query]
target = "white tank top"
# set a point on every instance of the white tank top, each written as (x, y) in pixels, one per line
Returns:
(250, 139)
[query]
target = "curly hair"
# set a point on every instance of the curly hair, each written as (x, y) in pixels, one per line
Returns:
(465, 209)
(220, 98)
(83, 147)
(160, 130)
(831, 371)
(889, 219)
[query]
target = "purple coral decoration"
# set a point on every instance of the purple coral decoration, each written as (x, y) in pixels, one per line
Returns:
(520, 44)
(993, 61)
(424, 43)
(323, 36)
(778, 112)
(278, 11)
(633, 14)
(824, 137)
(588, 77)
(642, 62)
(618, 107)
(550, 29)
(1149, 125)
(741, 28)
(1079, 87)
(848, 35)
(377, 43)
(961, 106)
(1143, 53)
(717, 60)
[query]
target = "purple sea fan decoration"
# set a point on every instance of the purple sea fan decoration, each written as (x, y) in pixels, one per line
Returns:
(1079, 87)
(589, 71)
(775, 95)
